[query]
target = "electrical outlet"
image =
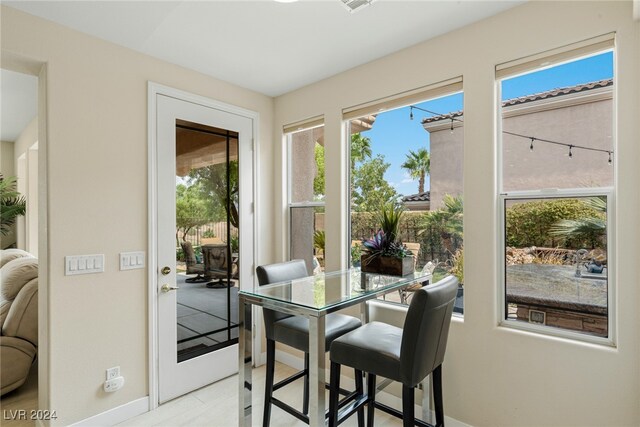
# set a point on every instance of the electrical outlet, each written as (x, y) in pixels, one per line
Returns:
(113, 372)
(114, 384)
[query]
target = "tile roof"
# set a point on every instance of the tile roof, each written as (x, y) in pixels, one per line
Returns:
(533, 97)
(419, 197)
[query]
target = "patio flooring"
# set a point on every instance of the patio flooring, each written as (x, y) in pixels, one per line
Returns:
(203, 311)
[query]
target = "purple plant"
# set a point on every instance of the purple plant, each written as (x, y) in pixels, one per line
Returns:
(381, 245)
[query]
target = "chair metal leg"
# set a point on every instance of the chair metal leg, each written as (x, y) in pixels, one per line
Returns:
(268, 387)
(360, 392)
(371, 396)
(408, 410)
(436, 377)
(305, 396)
(334, 392)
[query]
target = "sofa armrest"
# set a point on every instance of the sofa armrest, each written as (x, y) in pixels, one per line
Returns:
(22, 318)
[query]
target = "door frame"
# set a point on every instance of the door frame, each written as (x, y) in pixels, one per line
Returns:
(153, 90)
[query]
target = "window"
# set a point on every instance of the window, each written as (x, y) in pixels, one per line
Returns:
(305, 144)
(409, 151)
(557, 184)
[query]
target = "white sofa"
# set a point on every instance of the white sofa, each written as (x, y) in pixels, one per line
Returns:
(18, 317)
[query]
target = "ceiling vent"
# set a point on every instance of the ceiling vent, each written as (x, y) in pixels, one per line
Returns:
(356, 5)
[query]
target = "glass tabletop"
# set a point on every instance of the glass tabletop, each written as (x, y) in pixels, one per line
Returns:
(325, 291)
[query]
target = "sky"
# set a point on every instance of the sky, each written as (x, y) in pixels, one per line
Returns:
(394, 134)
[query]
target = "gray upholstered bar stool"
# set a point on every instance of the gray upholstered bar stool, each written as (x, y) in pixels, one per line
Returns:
(405, 355)
(294, 332)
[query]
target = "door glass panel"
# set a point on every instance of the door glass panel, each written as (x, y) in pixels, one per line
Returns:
(206, 238)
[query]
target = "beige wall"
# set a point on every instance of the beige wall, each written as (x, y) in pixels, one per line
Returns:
(26, 166)
(6, 158)
(496, 376)
(97, 177)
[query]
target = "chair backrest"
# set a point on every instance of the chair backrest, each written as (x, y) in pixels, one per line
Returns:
(426, 329)
(274, 273)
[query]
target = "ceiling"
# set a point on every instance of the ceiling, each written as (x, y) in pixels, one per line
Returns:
(19, 94)
(266, 46)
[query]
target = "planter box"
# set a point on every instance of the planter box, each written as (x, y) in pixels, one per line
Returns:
(387, 265)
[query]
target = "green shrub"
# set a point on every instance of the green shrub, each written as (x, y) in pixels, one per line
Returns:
(530, 223)
(457, 265)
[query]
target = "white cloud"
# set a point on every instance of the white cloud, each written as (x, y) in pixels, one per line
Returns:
(406, 178)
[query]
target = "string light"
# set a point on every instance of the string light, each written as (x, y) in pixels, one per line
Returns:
(529, 137)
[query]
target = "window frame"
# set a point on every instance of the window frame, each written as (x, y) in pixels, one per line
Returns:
(569, 54)
(503, 321)
(288, 137)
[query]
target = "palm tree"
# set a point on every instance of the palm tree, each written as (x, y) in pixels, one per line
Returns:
(593, 228)
(360, 148)
(360, 151)
(418, 164)
(12, 204)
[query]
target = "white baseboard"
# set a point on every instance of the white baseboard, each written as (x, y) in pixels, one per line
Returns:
(117, 414)
(290, 359)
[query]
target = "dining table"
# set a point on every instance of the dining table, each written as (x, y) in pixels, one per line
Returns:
(312, 297)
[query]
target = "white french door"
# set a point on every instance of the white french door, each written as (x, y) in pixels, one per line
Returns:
(204, 239)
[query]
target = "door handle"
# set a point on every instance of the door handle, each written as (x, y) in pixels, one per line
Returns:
(167, 288)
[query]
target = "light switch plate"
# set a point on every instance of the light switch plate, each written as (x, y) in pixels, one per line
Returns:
(131, 260)
(83, 264)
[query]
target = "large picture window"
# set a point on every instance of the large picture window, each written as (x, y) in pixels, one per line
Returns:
(557, 184)
(409, 154)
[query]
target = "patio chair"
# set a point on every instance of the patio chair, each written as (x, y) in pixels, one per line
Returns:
(406, 354)
(215, 265)
(193, 267)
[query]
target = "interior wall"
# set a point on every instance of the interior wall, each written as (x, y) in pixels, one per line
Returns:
(27, 166)
(6, 158)
(96, 163)
(496, 376)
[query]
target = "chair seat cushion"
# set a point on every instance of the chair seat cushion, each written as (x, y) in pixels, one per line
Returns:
(294, 331)
(373, 348)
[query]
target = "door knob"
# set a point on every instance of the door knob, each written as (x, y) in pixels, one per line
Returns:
(167, 288)
(165, 270)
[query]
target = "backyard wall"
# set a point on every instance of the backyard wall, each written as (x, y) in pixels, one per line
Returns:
(584, 119)
(97, 203)
(495, 376)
